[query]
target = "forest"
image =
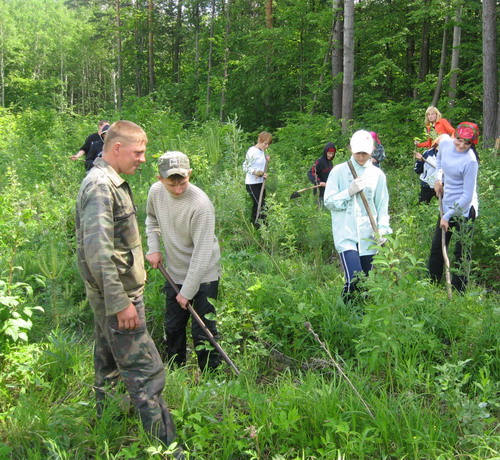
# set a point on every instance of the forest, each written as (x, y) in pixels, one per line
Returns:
(407, 372)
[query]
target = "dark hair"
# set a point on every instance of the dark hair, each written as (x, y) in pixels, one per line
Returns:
(473, 148)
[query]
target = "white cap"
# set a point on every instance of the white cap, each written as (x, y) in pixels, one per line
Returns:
(362, 141)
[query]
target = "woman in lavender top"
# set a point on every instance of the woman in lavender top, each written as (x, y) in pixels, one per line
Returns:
(456, 182)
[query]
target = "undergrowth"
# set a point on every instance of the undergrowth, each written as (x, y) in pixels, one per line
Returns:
(427, 368)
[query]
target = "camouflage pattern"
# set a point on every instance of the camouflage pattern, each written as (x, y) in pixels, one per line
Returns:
(110, 257)
(132, 356)
(111, 264)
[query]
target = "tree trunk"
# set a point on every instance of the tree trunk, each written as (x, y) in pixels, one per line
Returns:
(138, 55)
(222, 114)
(151, 56)
(210, 50)
(269, 14)
(424, 47)
(119, 57)
(62, 79)
(325, 61)
(197, 27)
(347, 83)
(490, 88)
(2, 67)
(457, 32)
(115, 90)
(410, 69)
(177, 43)
(337, 59)
(442, 63)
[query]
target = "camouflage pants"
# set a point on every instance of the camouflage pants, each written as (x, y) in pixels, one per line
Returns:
(131, 355)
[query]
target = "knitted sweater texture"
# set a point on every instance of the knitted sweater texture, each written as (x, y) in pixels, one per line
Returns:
(186, 224)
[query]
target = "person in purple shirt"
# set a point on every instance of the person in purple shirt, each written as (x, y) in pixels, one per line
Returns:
(456, 183)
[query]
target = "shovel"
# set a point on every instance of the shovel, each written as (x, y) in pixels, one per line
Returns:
(200, 322)
(298, 192)
(364, 200)
(259, 206)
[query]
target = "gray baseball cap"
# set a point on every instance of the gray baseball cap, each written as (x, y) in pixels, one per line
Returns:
(171, 163)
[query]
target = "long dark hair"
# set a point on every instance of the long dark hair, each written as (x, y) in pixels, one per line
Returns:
(473, 148)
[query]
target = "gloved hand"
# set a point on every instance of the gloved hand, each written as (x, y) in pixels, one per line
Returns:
(356, 186)
(379, 239)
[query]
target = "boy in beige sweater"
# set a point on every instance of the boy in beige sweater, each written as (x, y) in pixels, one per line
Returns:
(181, 214)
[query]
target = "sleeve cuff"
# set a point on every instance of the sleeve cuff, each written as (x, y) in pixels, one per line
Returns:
(117, 306)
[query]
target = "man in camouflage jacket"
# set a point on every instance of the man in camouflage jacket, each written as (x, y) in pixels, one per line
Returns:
(111, 264)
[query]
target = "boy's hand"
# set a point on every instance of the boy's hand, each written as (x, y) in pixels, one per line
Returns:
(154, 259)
(182, 301)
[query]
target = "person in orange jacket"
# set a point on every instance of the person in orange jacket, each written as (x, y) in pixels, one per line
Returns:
(435, 125)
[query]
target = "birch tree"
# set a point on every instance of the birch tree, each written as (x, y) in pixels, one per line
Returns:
(348, 79)
(455, 56)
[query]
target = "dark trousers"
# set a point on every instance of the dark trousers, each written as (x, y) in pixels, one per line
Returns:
(131, 355)
(254, 192)
(426, 194)
(353, 263)
(176, 319)
(463, 228)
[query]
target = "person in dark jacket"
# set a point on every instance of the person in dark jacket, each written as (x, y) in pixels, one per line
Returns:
(88, 144)
(378, 154)
(95, 150)
(318, 174)
(426, 167)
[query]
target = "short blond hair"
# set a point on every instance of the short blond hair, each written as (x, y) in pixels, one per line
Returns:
(125, 132)
(264, 136)
(429, 110)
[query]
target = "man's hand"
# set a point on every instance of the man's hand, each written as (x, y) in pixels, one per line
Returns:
(182, 301)
(154, 259)
(444, 224)
(128, 318)
(438, 188)
(419, 156)
(356, 186)
(322, 184)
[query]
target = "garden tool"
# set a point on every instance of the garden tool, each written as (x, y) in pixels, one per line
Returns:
(261, 194)
(200, 322)
(298, 192)
(445, 252)
(364, 200)
(424, 159)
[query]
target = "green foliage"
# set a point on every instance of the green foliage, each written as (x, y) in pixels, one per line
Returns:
(427, 368)
(15, 312)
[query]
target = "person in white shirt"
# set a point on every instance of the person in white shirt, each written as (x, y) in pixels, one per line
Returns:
(255, 168)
